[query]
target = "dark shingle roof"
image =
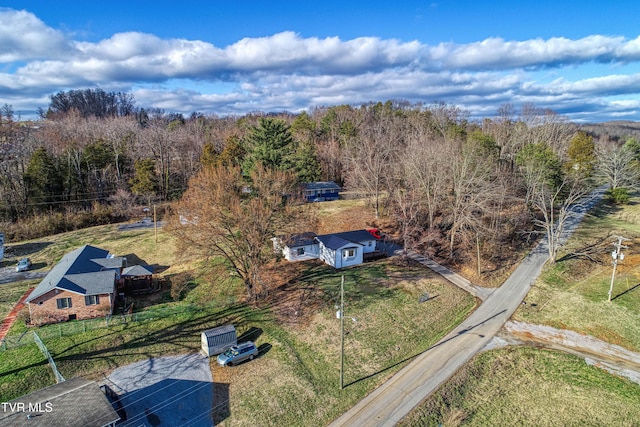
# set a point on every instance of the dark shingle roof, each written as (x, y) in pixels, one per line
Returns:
(98, 283)
(334, 242)
(138, 270)
(76, 262)
(302, 239)
(356, 236)
(77, 401)
(322, 185)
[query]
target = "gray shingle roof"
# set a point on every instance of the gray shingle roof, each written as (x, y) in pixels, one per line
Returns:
(302, 239)
(356, 236)
(77, 402)
(334, 242)
(77, 262)
(138, 270)
(114, 262)
(98, 283)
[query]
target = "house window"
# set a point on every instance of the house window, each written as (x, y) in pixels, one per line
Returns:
(64, 302)
(91, 300)
(300, 251)
(349, 253)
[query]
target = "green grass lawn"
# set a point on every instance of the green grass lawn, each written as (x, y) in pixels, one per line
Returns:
(10, 293)
(295, 381)
(530, 387)
(572, 294)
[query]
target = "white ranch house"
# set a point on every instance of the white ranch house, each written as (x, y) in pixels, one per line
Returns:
(337, 249)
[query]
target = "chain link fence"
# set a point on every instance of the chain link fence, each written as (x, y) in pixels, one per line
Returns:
(80, 326)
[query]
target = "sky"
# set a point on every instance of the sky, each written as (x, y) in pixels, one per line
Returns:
(580, 59)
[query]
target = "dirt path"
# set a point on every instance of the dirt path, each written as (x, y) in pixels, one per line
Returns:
(611, 357)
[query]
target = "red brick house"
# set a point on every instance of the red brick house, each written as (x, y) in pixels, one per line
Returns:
(81, 286)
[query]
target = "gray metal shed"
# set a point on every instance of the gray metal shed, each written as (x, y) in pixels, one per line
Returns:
(217, 340)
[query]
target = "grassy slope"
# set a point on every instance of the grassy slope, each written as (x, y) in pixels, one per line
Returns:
(530, 387)
(525, 386)
(297, 385)
(572, 294)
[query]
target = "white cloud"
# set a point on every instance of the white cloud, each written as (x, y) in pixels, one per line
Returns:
(287, 71)
(25, 37)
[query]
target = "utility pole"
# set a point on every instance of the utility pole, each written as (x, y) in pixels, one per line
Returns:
(342, 333)
(155, 223)
(616, 255)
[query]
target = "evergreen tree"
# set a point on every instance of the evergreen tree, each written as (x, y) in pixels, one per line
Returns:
(42, 180)
(582, 154)
(306, 163)
(271, 144)
(144, 182)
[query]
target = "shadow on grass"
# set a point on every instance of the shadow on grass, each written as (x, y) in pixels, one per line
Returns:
(264, 349)
(626, 292)
(591, 251)
(251, 334)
(180, 337)
(25, 249)
(460, 333)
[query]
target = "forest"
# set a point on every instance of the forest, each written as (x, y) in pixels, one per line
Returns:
(451, 186)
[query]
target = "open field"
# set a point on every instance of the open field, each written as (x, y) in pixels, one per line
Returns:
(385, 327)
(530, 387)
(572, 294)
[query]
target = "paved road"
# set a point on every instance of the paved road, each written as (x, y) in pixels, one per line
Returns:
(394, 399)
(9, 274)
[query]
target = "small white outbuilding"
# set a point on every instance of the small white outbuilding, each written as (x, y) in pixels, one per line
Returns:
(217, 340)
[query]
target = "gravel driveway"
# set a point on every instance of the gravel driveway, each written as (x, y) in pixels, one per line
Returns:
(165, 391)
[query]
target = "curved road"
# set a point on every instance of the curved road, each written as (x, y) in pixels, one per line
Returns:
(394, 399)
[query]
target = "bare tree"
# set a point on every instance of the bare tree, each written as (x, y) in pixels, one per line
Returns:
(556, 206)
(374, 151)
(472, 192)
(406, 210)
(425, 170)
(617, 166)
(230, 223)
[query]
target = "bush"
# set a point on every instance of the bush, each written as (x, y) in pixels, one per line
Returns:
(179, 284)
(54, 222)
(618, 196)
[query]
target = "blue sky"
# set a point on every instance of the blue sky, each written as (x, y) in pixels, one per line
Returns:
(578, 58)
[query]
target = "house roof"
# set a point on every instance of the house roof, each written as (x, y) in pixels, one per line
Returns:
(302, 239)
(322, 185)
(98, 283)
(335, 242)
(112, 262)
(138, 270)
(77, 401)
(356, 236)
(76, 262)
